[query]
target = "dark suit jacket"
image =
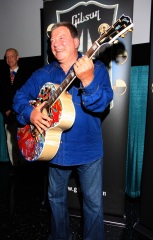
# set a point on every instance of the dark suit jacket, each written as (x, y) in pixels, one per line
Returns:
(8, 91)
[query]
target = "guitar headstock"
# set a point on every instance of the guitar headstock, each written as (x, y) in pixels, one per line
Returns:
(119, 29)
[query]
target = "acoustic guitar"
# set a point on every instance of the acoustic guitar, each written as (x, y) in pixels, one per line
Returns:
(59, 105)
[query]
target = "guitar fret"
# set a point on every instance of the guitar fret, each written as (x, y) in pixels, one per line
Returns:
(67, 80)
(72, 73)
(55, 93)
(53, 98)
(61, 89)
(93, 49)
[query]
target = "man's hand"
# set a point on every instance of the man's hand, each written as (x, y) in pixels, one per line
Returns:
(40, 119)
(84, 70)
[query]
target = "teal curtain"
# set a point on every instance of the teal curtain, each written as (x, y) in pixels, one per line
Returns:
(136, 129)
(3, 145)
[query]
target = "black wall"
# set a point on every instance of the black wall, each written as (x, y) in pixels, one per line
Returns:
(140, 54)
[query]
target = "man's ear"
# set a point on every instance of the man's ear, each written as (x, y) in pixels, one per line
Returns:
(76, 42)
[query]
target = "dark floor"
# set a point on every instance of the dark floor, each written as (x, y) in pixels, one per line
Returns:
(24, 211)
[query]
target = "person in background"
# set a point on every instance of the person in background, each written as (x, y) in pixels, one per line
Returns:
(81, 146)
(12, 77)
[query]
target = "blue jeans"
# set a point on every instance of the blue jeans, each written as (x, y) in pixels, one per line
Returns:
(90, 176)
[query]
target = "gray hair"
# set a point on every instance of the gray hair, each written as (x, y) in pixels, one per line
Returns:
(12, 49)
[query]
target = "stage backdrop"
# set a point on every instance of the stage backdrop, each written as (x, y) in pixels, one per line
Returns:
(87, 16)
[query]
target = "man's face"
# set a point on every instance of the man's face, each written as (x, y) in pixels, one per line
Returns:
(63, 46)
(12, 59)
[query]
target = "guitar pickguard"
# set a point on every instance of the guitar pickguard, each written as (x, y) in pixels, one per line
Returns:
(32, 146)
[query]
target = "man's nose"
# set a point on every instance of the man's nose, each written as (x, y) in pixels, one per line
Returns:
(56, 41)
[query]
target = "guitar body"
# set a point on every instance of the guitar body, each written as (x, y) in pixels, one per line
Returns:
(44, 146)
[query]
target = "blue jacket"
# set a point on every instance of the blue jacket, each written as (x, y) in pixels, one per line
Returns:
(82, 143)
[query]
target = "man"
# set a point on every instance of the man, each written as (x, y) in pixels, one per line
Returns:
(81, 146)
(13, 77)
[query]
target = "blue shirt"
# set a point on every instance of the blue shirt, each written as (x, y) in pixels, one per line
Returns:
(83, 142)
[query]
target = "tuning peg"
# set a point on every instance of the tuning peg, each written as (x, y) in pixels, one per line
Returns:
(130, 30)
(103, 28)
(116, 41)
(123, 35)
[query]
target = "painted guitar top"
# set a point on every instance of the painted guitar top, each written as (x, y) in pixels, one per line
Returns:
(59, 105)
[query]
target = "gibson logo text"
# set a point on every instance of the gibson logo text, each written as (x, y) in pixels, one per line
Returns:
(79, 18)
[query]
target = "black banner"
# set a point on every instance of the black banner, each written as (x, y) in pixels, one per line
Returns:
(88, 17)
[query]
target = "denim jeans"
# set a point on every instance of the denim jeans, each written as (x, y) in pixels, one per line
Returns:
(90, 176)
